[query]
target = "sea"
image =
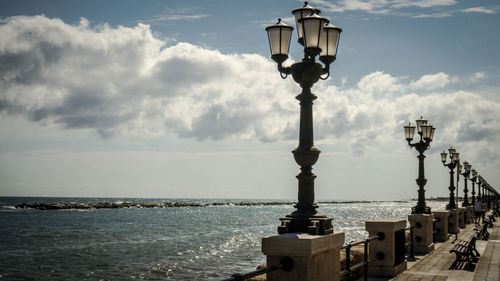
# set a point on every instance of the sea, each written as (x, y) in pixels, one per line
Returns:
(180, 243)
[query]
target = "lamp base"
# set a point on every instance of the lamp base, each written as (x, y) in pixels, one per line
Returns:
(421, 210)
(316, 224)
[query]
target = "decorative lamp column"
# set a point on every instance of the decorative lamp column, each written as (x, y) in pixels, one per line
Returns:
(469, 208)
(453, 163)
(426, 132)
(465, 174)
(473, 181)
(459, 170)
(479, 181)
(487, 193)
(482, 185)
(319, 39)
(453, 221)
(306, 236)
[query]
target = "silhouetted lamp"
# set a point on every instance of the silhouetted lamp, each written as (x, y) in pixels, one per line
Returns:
(312, 27)
(279, 36)
(426, 132)
(409, 132)
(301, 13)
(454, 159)
(329, 42)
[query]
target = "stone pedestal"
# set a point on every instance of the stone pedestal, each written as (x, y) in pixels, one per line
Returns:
(422, 232)
(389, 251)
(484, 209)
(470, 215)
(461, 216)
(316, 258)
(441, 225)
(453, 221)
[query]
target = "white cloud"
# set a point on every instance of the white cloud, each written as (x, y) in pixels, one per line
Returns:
(480, 9)
(379, 83)
(174, 17)
(432, 15)
(392, 7)
(422, 3)
(478, 76)
(124, 81)
(431, 81)
(170, 15)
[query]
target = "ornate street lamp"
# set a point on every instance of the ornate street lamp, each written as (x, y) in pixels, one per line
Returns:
(484, 185)
(473, 180)
(319, 38)
(466, 177)
(487, 193)
(480, 197)
(453, 163)
(459, 170)
(426, 132)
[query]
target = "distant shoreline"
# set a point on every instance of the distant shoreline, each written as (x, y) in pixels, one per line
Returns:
(121, 205)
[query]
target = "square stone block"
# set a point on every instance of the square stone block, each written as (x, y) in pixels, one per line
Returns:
(422, 232)
(462, 212)
(385, 225)
(389, 251)
(441, 225)
(316, 257)
(453, 221)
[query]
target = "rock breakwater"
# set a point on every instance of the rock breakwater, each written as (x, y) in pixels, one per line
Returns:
(108, 205)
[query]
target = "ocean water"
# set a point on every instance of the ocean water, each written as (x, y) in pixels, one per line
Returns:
(185, 243)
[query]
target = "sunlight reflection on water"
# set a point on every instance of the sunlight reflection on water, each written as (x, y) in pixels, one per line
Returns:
(187, 243)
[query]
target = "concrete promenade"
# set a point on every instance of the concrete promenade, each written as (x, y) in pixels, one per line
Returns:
(435, 266)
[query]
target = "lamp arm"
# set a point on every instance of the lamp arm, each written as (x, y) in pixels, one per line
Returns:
(284, 70)
(325, 70)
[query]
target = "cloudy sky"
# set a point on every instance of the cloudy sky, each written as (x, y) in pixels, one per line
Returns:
(180, 99)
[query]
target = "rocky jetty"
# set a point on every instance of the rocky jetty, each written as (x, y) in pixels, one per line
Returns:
(108, 205)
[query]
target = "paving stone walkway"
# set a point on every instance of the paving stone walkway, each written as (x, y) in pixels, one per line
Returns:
(436, 265)
(488, 268)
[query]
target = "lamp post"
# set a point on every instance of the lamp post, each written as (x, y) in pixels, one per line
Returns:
(473, 180)
(453, 163)
(459, 170)
(481, 188)
(479, 196)
(426, 132)
(479, 183)
(466, 177)
(482, 185)
(487, 193)
(319, 38)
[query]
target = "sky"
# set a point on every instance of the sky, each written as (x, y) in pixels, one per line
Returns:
(180, 99)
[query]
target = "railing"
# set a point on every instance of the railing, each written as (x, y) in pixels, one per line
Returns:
(348, 268)
(286, 264)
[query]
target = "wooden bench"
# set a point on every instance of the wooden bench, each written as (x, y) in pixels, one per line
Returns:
(492, 218)
(496, 212)
(465, 251)
(483, 233)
